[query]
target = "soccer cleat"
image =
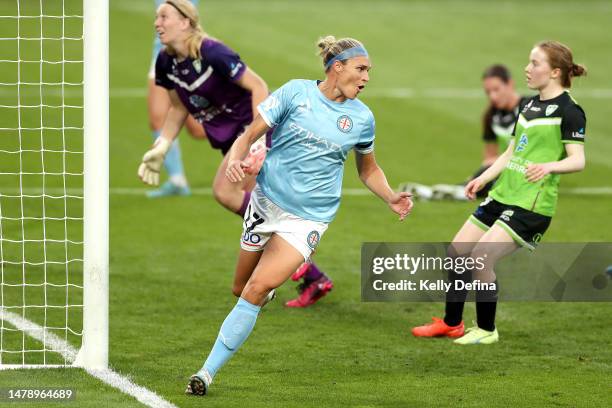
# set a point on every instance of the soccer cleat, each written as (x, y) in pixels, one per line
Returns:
(438, 329)
(311, 293)
(198, 385)
(256, 156)
(270, 297)
(476, 335)
(418, 191)
(448, 192)
(300, 272)
(169, 189)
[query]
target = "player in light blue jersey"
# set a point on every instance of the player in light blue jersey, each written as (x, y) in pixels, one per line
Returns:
(203, 77)
(298, 190)
(158, 104)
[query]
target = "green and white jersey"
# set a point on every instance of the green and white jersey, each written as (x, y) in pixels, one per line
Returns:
(541, 130)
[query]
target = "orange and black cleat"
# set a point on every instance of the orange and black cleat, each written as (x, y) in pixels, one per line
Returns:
(438, 329)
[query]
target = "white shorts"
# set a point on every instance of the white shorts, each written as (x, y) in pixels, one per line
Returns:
(263, 218)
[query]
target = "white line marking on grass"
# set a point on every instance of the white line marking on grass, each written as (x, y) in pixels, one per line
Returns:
(403, 93)
(51, 340)
(393, 93)
(207, 191)
(69, 352)
(588, 190)
(143, 395)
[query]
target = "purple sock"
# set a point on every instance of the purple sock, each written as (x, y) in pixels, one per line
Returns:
(245, 203)
(313, 273)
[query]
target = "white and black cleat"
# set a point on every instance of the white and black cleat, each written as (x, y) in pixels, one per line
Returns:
(418, 191)
(197, 386)
(270, 297)
(454, 192)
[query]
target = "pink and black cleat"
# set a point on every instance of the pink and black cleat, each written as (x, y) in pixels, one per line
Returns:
(300, 272)
(310, 293)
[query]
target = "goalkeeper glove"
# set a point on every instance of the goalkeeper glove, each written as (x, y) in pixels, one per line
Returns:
(152, 161)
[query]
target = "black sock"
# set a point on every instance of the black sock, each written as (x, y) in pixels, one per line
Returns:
(486, 306)
(453, 313)
(455, 299)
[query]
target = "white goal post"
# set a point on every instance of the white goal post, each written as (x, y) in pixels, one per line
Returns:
(94, 350)
(54, 183)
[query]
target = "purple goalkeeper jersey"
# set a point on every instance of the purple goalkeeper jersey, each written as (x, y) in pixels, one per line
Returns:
(207, 87)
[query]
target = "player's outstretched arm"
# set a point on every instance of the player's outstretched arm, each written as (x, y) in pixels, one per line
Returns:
(374, 179)
(491, 173)
(153, 159)
(240, 149)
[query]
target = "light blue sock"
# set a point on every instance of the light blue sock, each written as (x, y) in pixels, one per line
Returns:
(173, 162)
(234, 331)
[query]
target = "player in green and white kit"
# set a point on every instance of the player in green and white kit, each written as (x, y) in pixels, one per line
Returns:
(548, 140)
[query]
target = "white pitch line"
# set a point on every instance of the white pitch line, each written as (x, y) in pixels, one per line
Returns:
(405, 93)
(393, 93)
(51, 340)
(69, 352)
(358, 192)
(143, 395)
(207, 191)
(588, 190)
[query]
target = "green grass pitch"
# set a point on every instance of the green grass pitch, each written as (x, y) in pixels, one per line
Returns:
(172, 260)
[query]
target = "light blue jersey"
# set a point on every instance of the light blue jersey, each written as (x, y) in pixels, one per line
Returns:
(303, 170)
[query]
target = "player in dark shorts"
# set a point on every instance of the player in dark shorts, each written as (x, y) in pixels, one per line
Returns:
(208, 80)
(548, 140)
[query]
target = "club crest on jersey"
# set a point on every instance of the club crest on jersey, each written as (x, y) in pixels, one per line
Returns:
(345, 123)
(313, 239)
(197, 65)
(550, 109)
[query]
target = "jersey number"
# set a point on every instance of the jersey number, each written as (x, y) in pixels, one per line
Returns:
(252, 220)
